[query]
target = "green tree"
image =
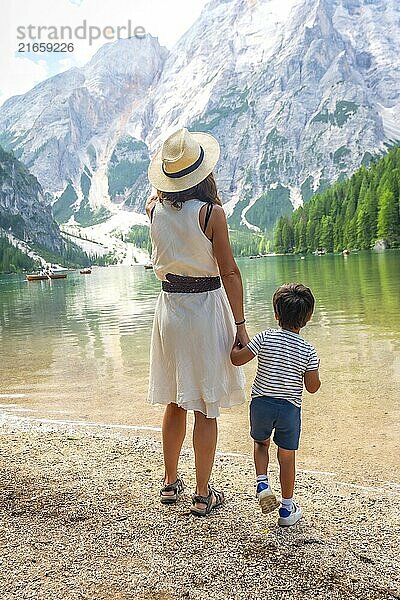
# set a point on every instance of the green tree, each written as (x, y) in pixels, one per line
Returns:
(388, 217)
(287, 235)
(326, 235)
(278, 240)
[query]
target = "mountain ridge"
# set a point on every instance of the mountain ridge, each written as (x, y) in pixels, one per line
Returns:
(24, 211)
(299, 94)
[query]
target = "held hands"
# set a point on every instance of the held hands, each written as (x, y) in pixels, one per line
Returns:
(240, 354)
(236, 348)
(242, 337)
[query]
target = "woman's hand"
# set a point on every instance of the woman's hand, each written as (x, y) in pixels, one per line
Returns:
(242, 337)
(241, 354)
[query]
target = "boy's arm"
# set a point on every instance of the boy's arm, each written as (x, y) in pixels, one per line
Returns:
(241, 356)
(312, 381)
(311, 376)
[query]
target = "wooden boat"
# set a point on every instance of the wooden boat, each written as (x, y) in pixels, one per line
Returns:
(85, 271)
(36, 277)
(43, 275)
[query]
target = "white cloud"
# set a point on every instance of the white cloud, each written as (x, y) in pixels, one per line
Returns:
(23, 74)
(20, 72)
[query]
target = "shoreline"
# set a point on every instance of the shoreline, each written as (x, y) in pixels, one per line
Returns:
(81, 519)
(100, 429)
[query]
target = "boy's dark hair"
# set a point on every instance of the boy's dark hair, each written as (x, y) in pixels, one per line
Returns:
(293, 305)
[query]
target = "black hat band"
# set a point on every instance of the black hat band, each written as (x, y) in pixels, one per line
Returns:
(188, 170)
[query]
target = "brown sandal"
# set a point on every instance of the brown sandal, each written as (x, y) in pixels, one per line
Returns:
(213, 500)
(177, 487)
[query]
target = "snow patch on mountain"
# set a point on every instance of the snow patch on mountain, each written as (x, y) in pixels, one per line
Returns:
(391, 121)
(295, 197)
(24, 247)
(243, 219)
(105, 238)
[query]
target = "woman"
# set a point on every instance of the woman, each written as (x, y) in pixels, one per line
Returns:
(194, 324)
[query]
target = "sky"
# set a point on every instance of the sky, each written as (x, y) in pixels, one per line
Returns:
(20, 71)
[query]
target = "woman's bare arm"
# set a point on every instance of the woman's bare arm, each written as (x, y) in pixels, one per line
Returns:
(228, 268)
(151, 202)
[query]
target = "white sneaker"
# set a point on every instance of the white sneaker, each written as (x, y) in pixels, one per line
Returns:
(287, 518)
(266, 497)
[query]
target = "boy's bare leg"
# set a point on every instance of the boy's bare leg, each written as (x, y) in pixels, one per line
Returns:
(265, 495)
(287, 463)
(261, 456)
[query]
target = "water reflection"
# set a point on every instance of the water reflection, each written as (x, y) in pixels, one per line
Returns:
(107, 316)
(46, 327)
(80, 347)
(362, 289)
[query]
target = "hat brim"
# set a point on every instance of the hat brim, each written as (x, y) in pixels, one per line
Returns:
(167, 184)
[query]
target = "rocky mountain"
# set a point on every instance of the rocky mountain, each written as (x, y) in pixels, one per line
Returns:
(70, 129)
(300, 93)
(25, 212)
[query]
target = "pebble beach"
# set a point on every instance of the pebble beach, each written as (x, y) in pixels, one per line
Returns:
(81, 519)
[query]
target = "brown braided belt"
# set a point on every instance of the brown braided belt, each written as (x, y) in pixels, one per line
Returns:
(190, 285)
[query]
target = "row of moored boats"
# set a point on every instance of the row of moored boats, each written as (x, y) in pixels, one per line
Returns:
(53, 272)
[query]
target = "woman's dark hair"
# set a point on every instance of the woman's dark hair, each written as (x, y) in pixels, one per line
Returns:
(293, 305)
(206, 191)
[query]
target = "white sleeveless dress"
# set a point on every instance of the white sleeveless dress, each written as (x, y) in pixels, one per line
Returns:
(193, 333)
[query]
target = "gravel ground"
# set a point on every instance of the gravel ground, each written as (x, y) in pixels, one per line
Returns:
(80, 519)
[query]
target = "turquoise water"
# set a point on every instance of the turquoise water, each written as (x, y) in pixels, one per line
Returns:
(77, 349)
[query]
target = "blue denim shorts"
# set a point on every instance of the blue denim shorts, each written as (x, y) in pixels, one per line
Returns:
(268, 414)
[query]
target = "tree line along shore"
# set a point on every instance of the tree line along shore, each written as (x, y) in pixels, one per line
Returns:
(351, 214)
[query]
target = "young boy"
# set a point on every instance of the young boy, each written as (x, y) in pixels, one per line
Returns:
(285, 360)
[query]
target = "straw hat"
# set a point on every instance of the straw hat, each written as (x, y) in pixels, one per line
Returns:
(184, 160)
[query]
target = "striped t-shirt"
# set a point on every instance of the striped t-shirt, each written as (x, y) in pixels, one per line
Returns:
(283, 358)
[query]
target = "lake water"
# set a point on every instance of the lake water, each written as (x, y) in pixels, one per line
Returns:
(77, 350)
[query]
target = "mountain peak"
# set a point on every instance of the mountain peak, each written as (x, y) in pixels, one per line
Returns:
(126, 50)
(298, 92)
